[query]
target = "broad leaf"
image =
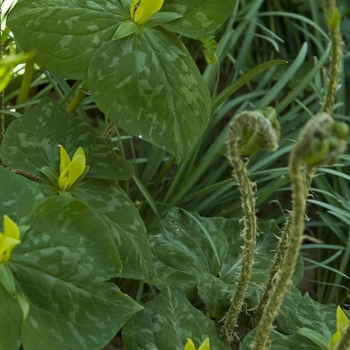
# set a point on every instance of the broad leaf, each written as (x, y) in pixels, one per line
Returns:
(65, 33)
(149, 86)
(126, 226)
(60, 267)
(31, 142)
(10, 321)
(166, 322)
(282, 342)
(305, 323)
(146, 83)
(203, 255)
(303, 312)
(18, 196)
(199, 17)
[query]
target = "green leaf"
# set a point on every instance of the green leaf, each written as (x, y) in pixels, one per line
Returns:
(299, 312)
(166, 322)
(10, 321)
(186, 258)
(146, 83)
(18, 196)
(126, 226)
(282, 342)
(31, 142)
(199, 17)
(149, 86)
(65, 33)
(60, 267)
(183, 250)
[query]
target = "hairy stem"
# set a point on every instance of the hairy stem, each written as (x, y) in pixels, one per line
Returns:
(333, 78)
(333, 20)
(284, 276)
(249, 234)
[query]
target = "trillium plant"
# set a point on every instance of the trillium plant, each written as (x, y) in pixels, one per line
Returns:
(118, 128)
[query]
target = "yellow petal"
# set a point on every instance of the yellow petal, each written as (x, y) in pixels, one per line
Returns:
(10, 228)
(142, 10)
(77, 166)
(9, 239)
(342, 320)
(189, 345)
(342, 323)
(64, 158)
(205, 345)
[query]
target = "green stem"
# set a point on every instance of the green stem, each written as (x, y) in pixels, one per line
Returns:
(249, 233)
(284, 278)
(26, 81)
(334, 71)
(78, 98)
(333, 77)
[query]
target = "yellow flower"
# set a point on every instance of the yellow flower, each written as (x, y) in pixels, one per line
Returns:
(142, 10)
(342, 323)
(204, 346)
(70, 170)
(9, 239)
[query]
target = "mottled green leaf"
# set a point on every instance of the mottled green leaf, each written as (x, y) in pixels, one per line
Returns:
(60, 267)
(282, 342)
(146, 83)
(303, 312)
(10, 321)
(299, 314)
(166, 322)
(126, 226)
(65, 33)
(183, 249)
(149, 86)
(31, 142)
(185, 257)
(199, 17)
(18, 196)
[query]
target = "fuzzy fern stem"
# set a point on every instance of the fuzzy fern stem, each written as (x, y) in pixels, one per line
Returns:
(333, 21)
(249, 132)
(284, 276)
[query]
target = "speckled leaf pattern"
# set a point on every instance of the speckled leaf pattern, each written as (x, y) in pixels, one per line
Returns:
(299, 312)
(10, 321)
(185, 257)
(61, 266)
(200, 17)
(146, 83)
(183, 250)
(31, 142)
(166, 322)
(18, 196)
(65, 33)
(126, 226)
(303, 312)
(149, 86)
(282, 342)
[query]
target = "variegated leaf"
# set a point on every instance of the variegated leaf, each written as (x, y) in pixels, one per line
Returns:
(31, 142)
(166, 322)
(199, 17)
(60, 267)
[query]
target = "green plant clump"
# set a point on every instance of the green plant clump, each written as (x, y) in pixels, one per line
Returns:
(174, 175)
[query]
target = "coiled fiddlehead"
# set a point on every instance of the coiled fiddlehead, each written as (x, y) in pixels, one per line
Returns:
(249, 132)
